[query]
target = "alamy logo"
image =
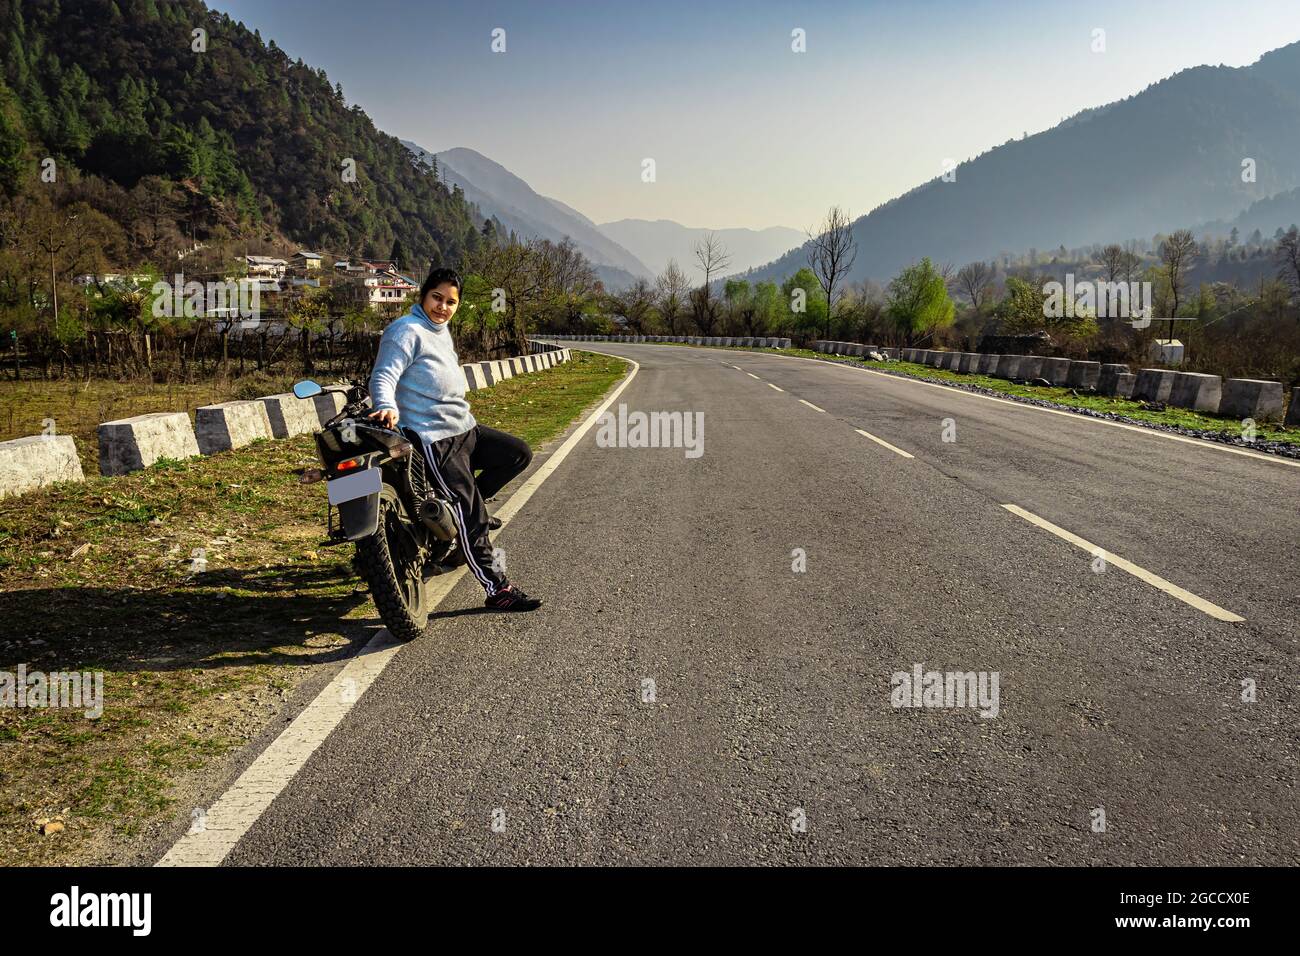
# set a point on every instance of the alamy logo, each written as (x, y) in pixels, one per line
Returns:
(1118, 300)
(72, 689)
(652, 430)
(922, 688)
(197, 300)
(103, 909)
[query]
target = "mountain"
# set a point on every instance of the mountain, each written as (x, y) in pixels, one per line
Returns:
(501, 194)
(236, 141)
(654, 243)
(1267, 215)
(1168, 157)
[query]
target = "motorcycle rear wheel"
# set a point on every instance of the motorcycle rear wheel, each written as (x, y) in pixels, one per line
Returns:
(390, 563)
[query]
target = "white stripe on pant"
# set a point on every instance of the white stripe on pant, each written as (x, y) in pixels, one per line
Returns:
(488, 584)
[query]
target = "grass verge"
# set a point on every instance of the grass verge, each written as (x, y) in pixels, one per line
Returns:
(200, 590)
(77, 407)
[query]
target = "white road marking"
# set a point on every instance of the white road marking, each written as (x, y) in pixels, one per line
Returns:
(1187, 597)
(751, 375)
(812, 406)
(881, 441)
(1082, 419)
(231, 816)
(777, 387)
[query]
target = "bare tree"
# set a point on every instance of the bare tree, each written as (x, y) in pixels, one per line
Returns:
(1112, 260)
(713, 257)
(1176, 252)
(975, 279)
(1288, 259)
(831, 253)
(672, 287)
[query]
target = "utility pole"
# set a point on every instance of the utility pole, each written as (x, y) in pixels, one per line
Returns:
(51, 248)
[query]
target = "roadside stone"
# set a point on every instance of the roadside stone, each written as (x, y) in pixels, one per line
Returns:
(230, 425)
(130, 444)
(1252, 398)
(36, 461)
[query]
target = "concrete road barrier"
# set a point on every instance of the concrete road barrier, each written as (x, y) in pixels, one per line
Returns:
(1008, 366)
(290, 415)
(969, 362)
(1252, 398)
(1108, 376)
(229, 425)
(988, 363)
(1194, 390)
(1030, 368)
(1153, 384)
(36, 461)
(328, 404)
(1293, 410)
(1056, 370)
(130, 444)
(1125, 382)
(474, 378)
(1084, 376)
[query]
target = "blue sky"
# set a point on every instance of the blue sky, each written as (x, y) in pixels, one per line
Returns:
(744, 131)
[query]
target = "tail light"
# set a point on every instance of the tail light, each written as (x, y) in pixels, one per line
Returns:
(349, 464)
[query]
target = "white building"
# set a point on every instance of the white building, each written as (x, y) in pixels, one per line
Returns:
(265, 267)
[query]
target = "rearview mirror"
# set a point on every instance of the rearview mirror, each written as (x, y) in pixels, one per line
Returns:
(306, 389)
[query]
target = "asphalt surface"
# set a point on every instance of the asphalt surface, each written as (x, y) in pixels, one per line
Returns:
(772, 687)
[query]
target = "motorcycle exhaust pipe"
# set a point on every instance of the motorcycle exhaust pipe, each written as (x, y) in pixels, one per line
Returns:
(436, 515)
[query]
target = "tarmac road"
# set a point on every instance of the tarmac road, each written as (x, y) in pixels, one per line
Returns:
(771, 736)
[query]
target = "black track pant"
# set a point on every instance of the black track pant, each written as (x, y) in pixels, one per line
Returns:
(453, 462)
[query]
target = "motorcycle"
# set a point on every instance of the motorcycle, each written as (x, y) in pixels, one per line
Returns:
(377, 479)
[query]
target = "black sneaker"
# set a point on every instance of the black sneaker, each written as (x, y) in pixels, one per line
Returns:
(510, 598)
(494, 522)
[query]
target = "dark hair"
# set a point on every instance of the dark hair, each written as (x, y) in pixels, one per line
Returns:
(436, 278)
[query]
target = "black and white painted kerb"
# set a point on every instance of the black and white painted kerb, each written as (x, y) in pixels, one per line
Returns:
(130, 444)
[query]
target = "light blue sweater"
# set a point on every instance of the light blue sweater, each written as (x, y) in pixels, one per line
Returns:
(418, 374)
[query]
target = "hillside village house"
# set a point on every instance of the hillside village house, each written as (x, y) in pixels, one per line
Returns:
(266, 267)
(114, 279)
(388, 289)
(302, 261)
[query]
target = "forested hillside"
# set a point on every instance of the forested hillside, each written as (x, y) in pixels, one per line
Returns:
(179, 136)
(1201, 145)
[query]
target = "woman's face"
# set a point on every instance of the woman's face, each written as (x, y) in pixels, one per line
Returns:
(440, 302)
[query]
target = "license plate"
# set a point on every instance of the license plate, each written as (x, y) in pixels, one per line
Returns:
(351, 487)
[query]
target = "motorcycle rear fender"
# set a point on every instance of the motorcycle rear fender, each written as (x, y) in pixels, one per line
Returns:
(359, 517)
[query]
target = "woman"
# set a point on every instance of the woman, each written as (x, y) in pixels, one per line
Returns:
(418, 383)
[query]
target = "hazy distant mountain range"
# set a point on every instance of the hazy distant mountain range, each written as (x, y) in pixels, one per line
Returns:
(1181, 153)
(622, 251)
(654, 243)
(500, 193)
(1268, 215)
(1166, 158)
